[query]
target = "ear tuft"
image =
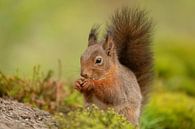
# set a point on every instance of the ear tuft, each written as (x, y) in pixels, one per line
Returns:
(109, 44)
(92, 39)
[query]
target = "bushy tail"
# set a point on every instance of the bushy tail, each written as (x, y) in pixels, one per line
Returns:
(132, 35)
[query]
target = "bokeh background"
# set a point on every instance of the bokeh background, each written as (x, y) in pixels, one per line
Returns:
(46, 32)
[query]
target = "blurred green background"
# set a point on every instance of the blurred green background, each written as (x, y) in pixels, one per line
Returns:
(42, 32)
(45, 31)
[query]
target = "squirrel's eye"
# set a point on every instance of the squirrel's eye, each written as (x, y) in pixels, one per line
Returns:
(98, 60)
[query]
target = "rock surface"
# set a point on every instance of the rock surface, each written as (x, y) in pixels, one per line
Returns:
(14, 115)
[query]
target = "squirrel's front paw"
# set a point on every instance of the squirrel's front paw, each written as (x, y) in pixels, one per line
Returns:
(78, 84)
(83, 84)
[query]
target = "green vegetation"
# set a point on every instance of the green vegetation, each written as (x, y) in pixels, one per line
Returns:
(175, 66)
(92, 118)
(169, 111)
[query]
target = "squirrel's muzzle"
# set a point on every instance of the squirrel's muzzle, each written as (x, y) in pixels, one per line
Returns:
(84, 74)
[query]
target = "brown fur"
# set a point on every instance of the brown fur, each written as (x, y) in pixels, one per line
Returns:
(105, 85)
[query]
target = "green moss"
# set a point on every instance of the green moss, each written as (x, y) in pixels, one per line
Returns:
(169, 65)
(175, 65)
(182, 84)
(92, 118)
(175, 60)
(169, 111)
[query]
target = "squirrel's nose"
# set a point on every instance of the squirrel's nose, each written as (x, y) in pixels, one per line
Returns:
(84, 74)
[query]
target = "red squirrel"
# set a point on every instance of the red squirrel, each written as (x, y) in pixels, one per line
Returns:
(117, 71)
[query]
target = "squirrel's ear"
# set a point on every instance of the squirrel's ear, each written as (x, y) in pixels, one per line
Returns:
(108, 45)
(93, 35)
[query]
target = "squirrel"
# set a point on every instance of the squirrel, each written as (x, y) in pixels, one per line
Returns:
(117, 71)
